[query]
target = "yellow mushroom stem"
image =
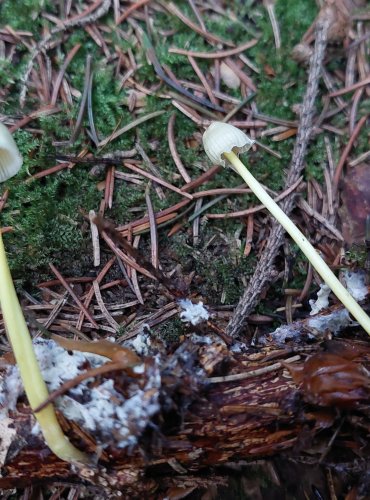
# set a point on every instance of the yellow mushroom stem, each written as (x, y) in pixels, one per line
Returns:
(34, 385)
(312, 255)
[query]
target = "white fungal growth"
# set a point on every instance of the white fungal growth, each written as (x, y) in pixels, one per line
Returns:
(285, 333)
(193, 313)
(355, 283)
(322, 301)
(100, 409)
(333, 322)
(142, 343)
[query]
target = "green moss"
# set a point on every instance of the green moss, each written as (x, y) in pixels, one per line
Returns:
(170, 331)
(47, 222)
(46, 213)
(24, 14)
(357, 255)
(221, 267)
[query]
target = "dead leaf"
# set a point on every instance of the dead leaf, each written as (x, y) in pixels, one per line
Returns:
(269, 71)
(355, 203)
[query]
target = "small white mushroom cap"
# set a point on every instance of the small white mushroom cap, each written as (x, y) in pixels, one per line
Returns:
(10, 157)
(220, 138)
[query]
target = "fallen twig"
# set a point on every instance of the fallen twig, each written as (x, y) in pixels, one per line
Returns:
(264, 269)
(91, 14)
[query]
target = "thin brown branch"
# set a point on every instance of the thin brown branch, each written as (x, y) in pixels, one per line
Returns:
(215, 55)
(173, 149)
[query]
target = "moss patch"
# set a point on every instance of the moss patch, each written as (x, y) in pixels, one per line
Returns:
(46, 214)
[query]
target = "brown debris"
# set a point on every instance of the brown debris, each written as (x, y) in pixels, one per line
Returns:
(222, 403)
(355, 204)
(233, 419)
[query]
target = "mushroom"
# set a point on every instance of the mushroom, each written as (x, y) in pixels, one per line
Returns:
(222, 143)
(34, 385)
(10, 158)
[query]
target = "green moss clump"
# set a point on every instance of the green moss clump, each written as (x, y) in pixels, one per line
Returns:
(24, 14)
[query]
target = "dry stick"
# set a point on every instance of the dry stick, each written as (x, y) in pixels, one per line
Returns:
(113, 238)
(154, 170)
(51, 283)
(249, 237)
(172, 144)
(189, 102)
(252, 210)
(196, 222)
(203, 79)
(153, 229)
(113, 323)
(131, 9)
(215, 55)
(346, 151)
(264, 270)
(73, 295)
(270, 7)
(252, 373)
(345, 90)
(154, 61)
(58, 81)
(323, 220)
(55, 311)
(123, 269)
(197, 14)
(85, 17)
(109, 187)
(91, 292)
(159, 215)
(125, 258)
(94, 238)
(57, 168)
(202, 179)
(83, 102)
(69, 384)
(92, 133)
(43, 111)
(172, 8)
(240, 73)
(129, 126)
(353, 112)
(142, 172)
(3, 199)
(134, 277)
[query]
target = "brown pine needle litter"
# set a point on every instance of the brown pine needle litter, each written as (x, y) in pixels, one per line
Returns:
(119, 232)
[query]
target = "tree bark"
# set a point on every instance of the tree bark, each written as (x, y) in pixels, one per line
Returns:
(217, 407)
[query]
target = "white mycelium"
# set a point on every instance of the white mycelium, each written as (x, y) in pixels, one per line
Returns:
(101, 409)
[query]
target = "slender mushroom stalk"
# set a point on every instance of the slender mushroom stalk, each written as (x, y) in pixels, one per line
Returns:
(34, 385)
(17, 331)
(223, 142)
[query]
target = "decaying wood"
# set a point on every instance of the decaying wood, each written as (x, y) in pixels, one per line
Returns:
(216, 407)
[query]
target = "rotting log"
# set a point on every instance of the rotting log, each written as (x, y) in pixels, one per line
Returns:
(217, 407)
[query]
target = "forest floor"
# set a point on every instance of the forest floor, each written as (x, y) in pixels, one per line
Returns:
(108, 101)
